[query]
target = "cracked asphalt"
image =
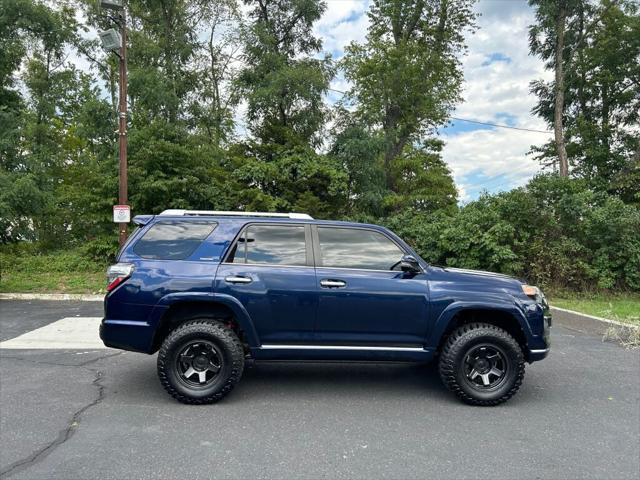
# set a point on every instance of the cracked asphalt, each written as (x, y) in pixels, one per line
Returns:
(74, 414)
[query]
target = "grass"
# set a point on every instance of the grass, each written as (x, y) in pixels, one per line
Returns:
(76, 282)
(621, 307)
(23, 270)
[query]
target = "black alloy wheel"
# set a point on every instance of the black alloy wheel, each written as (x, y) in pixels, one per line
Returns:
(486, 367)
(199, 363)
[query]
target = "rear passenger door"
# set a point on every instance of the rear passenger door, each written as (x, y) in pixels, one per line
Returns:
(269, 269)
(363, 301)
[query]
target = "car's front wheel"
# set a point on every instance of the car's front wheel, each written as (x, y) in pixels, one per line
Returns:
(482, 364)
(200, 361)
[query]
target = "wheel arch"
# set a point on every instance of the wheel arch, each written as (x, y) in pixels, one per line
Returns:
(508, 318)
(178, 310)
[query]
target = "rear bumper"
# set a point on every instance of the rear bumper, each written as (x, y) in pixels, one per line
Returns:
(129, 335)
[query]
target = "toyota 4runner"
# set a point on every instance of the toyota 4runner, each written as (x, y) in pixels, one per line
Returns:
(209, 290)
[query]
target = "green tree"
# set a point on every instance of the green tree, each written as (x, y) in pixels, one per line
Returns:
(284, 85)
(549, 39)
(423, 180)
(181, 99)
(296, 179)
(282, 82)
(34, 128)
(574, 237)
(407, 76)
(595, 102)
(358, 150)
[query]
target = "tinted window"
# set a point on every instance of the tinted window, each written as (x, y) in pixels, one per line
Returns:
(271, 244)
(173, 240)
(356, 248)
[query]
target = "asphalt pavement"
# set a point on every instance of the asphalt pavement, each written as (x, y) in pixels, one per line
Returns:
(77, 414)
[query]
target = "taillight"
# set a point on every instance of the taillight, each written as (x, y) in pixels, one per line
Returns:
(118, 273)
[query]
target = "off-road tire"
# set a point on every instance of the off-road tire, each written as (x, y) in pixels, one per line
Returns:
(462, 341)
(227, 343)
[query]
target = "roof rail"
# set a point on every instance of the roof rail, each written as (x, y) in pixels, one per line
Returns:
(222, 213)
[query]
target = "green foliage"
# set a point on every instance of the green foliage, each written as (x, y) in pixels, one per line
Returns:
(282, 83)
(100, 250)
(556, 232)
(423, 181)
(407, 76)
(602, 95)
(358, 151)
(297, 179)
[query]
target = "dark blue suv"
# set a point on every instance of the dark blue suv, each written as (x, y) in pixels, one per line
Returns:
(208, 290)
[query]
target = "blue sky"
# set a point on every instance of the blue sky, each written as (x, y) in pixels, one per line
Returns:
(497, 72)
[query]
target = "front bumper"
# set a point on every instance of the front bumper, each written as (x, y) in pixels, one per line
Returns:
(536, 354)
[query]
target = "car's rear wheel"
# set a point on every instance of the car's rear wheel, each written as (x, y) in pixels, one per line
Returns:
(482, 364)
(200, 361)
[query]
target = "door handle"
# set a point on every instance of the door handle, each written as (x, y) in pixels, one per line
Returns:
(234, 279)
(327, 283)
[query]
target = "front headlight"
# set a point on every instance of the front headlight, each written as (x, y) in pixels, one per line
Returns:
(534, 293)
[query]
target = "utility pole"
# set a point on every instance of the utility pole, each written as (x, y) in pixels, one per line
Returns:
(122, 126)
(116, 42)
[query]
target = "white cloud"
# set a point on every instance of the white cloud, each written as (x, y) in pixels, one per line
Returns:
(490, 159)
(492, 91)
(343, 22)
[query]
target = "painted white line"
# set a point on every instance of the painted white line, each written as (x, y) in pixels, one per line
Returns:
(600, 319)
(69, 333)
(52, 296)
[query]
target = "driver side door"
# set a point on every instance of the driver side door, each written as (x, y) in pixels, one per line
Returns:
(361, 301)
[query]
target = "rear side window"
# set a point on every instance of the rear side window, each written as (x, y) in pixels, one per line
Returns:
(173, 240)
(357, 248)
(272, 245)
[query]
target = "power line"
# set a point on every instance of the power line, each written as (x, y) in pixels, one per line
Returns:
(498, 125)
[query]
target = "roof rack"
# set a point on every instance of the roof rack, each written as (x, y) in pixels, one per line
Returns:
(222, 213)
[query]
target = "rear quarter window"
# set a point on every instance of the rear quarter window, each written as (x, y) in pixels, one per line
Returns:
(173, 240)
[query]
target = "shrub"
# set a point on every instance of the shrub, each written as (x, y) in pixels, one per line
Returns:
(554, 232)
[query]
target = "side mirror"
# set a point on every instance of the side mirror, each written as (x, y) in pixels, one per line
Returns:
(409, 263)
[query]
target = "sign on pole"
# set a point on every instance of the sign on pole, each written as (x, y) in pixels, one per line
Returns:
(121, 213)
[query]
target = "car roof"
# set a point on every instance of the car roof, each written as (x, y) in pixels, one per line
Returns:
(252, 219)
(142, 220)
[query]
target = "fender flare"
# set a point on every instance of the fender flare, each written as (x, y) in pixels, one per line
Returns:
(240, 313)
(447, 315)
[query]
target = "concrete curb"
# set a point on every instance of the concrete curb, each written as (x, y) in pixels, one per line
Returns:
(600, 319)
(607, 329)
(81, 297)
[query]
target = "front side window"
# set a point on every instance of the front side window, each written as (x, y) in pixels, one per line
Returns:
(357, 248)
(271, 244)
(173, 240)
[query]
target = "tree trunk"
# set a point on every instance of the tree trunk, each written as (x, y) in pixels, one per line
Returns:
(394, 144)
(559, 93)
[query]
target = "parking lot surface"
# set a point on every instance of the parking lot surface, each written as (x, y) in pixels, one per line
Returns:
(70, 413)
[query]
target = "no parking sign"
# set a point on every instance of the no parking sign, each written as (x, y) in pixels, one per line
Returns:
(121, 213)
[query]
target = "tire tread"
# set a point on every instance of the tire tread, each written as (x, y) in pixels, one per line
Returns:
(212, 327)
(457, 341)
